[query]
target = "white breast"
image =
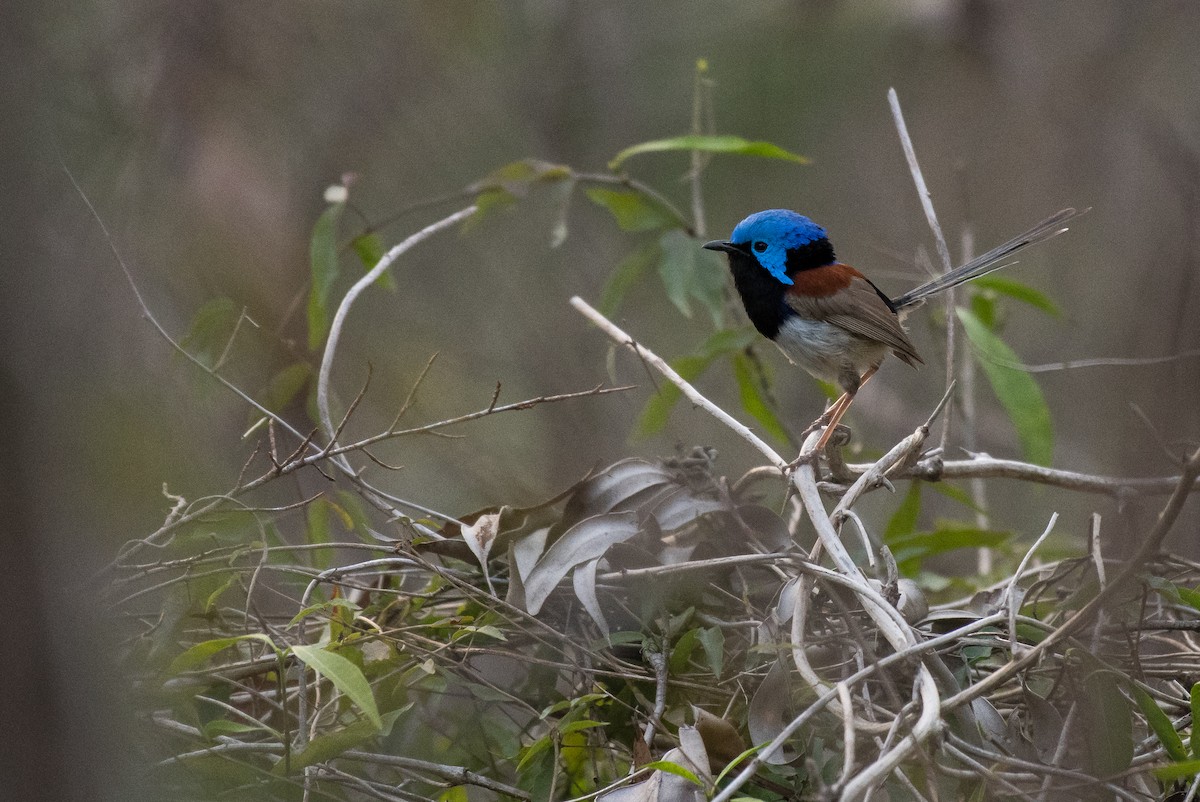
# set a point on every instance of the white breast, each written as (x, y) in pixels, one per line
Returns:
(827, 351)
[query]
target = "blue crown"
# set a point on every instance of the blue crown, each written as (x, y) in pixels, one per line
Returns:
(782, 230)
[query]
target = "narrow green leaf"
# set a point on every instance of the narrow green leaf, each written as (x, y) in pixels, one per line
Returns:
(354, 516)
(1017, 391)
(486, 202)
(532, 751)
(327, 607)
(1189, 597)
(286, 385)
(369, 249)
(911, 548)
(904, 519)
(712, 640)
(1018, 291)
(210, 329)
(200, 653)
(735, 145)
(318, 531)
(582, 724)
(658, 408)
(688, 271)
(1195, 700)
(1161, 724)
(515, 178)
(750, 387)
(983, 306)
(632, 210)
(682, 652)
(222, 726)
(456, 794)
(632, 269)
(1178, 771)
(674, 768)
(957, 493)
(211, 603)
(344, 675)
(331, 744)
(323, 259)
(1109, 724)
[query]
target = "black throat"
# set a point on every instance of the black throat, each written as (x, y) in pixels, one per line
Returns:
(763, 294)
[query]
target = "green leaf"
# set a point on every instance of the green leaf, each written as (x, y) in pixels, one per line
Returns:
(318, 531)
(957, 493)
(211, 603)
(354, 517)
(633, 210)
(674, 768)
(910, 549)
(331, 744)
(904, 519)
(1017, 391)
(327, 607)
(515, 178)
(750, 380)
(323, 258)
(709, 144)
(712, 640)
(1018, 291)
(1161, 724)
(486, 202)
(222, 726)
(532, 751)
(689, 271)
(983, 306)
(1195, 700)
(211, 328)
(1176, 593)
(582, 724)
(658, 408)
(682, 652)
(344, 675)
(1178, 771)
(200, 653)
(1109, 724)
(630, 271)
(1190, 597)
(286, 385)
(369, 249)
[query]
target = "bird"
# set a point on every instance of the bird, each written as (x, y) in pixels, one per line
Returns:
(826, 316)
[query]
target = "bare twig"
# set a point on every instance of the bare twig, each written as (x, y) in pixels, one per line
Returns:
(690, 392)
(339, 318)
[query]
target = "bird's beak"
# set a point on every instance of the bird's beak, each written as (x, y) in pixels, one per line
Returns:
(720, 245)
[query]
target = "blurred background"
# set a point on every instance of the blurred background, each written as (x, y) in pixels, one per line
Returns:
(205, 134)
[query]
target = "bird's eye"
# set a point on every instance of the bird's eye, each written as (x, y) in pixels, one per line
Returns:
(760, 246)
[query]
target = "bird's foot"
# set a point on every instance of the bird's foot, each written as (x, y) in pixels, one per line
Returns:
(839, 437)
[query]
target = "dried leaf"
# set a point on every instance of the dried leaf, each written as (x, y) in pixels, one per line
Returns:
(770, 713)
(584, 580)
(722, 741)
(587, 540)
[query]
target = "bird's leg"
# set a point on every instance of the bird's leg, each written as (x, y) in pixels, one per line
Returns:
(833, 415)
(826, 416)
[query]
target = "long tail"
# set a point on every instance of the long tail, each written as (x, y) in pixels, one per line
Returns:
(992, 260)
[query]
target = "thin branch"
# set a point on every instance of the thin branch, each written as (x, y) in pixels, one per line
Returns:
(658, 662)
(339, 318)
(455, 774)
(986, 467)
(690, 392)
(1150, 545)
(1096, 362)
(1010, 595)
